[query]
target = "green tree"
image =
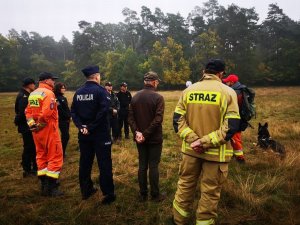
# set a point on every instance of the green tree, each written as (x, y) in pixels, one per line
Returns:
(123, 66)
(206, 46)
(169, 63)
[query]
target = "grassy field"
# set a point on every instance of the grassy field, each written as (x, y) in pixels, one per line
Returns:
(265, 190)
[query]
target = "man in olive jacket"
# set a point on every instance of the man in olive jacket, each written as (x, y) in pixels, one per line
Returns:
(145, 119)
(205, 118)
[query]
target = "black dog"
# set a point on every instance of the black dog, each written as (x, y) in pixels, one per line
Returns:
(265, 141)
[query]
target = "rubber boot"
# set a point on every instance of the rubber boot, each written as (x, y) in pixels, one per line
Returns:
(44, 185)
(53, 188)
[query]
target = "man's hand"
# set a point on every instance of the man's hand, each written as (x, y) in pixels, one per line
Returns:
(37, 127)
(197, 146)
(33, 127)
(139, 138)
(84, 130)
(114, 112)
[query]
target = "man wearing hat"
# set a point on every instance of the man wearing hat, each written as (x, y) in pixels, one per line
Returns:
(233, 81)
(124, 97)
(113, 110)
(42, 119)
(28, 155)
(90, 113)
(146, 113)
(205, 118)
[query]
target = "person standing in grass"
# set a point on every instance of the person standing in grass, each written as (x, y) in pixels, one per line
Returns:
(113, 110)
(124, 97)
(64, 114)
(90, 113)
(236, 141)
(29, 155)
(145, 118)
(205, 118)
(42, 119)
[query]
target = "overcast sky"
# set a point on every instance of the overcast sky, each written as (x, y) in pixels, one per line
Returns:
(60, 17)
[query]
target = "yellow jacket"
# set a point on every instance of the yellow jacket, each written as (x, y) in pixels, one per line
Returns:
(207, 110)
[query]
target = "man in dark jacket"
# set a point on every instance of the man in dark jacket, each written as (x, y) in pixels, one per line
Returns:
(124, 97)
(29, 154)
(113, 110)
(146, 113)
(64, 114)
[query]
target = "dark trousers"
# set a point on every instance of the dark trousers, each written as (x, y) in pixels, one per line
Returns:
(114, 124)
(29, 153)
(65, 136)
(88, 149)
(123, 119)
(149, 157)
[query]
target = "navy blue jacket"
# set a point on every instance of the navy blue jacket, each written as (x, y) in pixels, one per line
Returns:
(90, 108)
(20, 106)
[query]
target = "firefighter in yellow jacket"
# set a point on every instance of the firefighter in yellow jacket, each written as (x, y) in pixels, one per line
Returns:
(206, 117)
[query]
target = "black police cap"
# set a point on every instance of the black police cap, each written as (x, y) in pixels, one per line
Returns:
(28, 81)
(90, 70)
(46, 75)
(123, 84)
(108, 84)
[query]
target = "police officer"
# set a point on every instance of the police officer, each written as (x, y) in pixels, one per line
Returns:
(28, 156)
(113, 110)
(206, 117)
(124, 97)
(89, 110)
(64, 114)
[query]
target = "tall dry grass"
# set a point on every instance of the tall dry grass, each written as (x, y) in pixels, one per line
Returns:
(265, 190)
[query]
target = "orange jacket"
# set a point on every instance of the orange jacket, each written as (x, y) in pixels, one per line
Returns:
(42, 107)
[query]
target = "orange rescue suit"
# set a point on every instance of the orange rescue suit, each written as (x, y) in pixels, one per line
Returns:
(42, 111)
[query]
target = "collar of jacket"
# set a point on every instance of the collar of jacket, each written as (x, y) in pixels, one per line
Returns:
(208, 76)
(45, 85)
(89, 82)
(24, 91)
(149, 87)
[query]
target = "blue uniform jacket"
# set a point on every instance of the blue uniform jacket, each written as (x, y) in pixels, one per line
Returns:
(90, 108)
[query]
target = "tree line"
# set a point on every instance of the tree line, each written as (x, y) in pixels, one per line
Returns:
(177, 48)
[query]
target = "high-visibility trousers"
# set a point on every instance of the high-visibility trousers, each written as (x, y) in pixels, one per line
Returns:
(236, 143)
(211, 175)
(49, 153)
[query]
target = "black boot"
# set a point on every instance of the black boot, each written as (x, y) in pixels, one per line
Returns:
(44, 185)
(53, 188)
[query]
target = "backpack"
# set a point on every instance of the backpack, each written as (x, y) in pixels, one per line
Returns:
(247, 110)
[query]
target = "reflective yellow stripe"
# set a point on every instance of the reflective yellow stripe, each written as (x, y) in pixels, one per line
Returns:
(232, 115)
(213, 138)
(222, 153)
(238, 152)
(42, 172)
(52, 174)
(205, 222)
(181, 211)
(180, 111)
(223, 110)
(214, 151)
(185, 132)
(30, 122)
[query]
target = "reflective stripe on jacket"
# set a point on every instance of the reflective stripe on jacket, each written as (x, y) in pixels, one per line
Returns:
(207, 110)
